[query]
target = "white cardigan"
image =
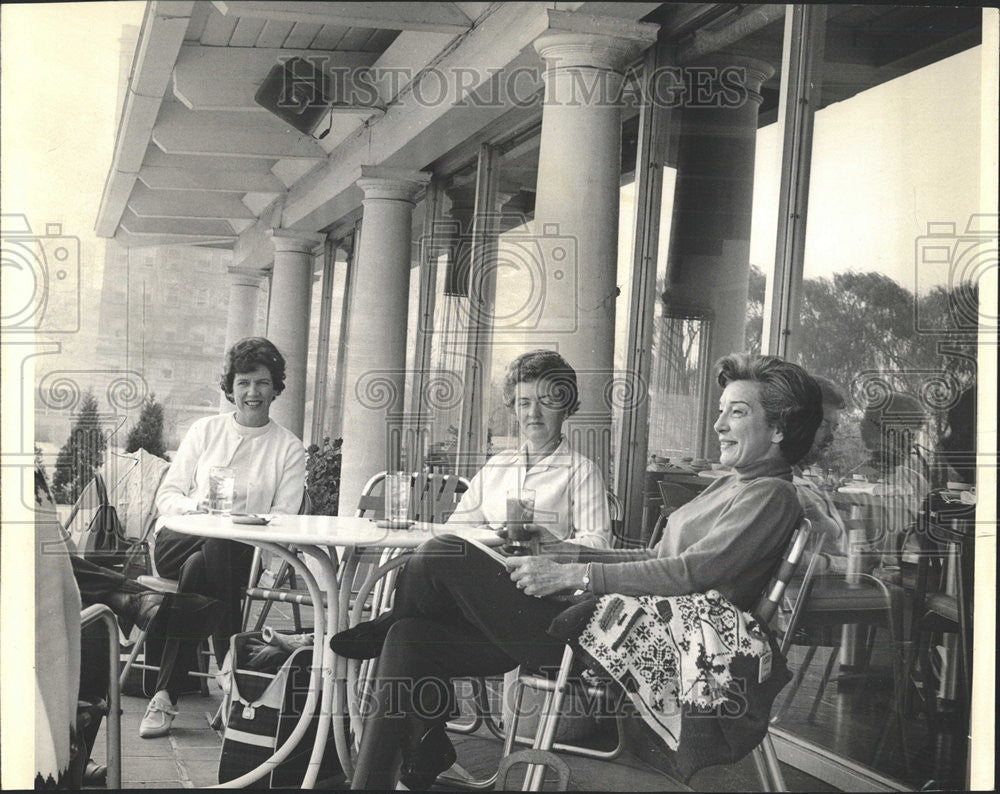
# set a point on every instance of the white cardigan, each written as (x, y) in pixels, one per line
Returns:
(279, 474)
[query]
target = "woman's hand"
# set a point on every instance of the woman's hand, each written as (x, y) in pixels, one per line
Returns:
(542, 576)
(201, 508)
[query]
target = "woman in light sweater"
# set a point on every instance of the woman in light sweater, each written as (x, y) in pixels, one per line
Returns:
(269, 462)
(457, 612)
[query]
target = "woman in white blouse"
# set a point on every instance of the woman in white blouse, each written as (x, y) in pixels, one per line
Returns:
(269, 463)
(570, 498)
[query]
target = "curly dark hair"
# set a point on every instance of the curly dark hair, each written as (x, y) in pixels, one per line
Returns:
(247, 355)
(791, 398)
(548, 365)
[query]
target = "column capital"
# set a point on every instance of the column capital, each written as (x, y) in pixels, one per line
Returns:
(292, 240)
(391, 184)
(251, 276)
(757, 70)
(599, 42)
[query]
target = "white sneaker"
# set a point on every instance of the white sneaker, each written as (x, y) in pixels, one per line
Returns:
(159, 717)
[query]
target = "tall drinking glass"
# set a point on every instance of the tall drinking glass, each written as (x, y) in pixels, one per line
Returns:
(520, 513)
(397, 498)
(222, 485)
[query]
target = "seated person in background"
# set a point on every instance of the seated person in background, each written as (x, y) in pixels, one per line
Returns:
(269, 462)
(540, 389)
(492, 617)
(816, 502)
(892, 431)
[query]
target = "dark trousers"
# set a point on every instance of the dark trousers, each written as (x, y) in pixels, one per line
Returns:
(97, 583)
(209, 567)
(457, 613)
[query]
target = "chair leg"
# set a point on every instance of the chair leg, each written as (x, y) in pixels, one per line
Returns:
(762, 772)
(283, 570)
(834, 652)
(800, 674)
(545, 736)
(202, 653)
(136, 647)
(296, 611)
(771, 761)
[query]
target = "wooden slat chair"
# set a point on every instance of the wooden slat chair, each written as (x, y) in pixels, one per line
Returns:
(804, 545)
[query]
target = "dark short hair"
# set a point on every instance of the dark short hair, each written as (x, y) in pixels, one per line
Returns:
(832, 395)
(791, 398)
(538, 365)
(248, 354)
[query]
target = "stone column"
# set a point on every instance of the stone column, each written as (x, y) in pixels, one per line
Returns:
(241, 312)
(376, 336)
(288, 319)
(709, 260)
(576, 207)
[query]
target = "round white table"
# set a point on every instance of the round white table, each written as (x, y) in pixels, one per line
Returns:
(320, 537)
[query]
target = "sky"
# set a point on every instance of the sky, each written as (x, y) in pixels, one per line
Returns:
(60, 66)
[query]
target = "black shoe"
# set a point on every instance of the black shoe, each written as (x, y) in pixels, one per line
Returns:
(95, 775)
(136, 609)
(365, 640)
(432, 756)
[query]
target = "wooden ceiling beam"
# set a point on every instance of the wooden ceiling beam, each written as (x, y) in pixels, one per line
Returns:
(426, 17)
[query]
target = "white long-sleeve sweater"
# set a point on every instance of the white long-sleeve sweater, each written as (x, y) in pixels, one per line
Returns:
(276, 473)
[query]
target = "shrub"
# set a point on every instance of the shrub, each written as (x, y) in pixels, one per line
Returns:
(323, 476)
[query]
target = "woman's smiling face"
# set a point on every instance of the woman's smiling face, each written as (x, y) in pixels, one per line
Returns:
(253, 393)
(745, 436)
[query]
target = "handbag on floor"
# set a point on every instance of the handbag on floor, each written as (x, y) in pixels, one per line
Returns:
(262, 709)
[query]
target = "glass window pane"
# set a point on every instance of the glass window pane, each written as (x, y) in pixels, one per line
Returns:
(887, 315)
(715, 252)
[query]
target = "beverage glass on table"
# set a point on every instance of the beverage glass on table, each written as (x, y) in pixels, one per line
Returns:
(222, 484)
(397, 498)
(520, 513)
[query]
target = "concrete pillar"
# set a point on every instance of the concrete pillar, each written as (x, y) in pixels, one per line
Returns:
(241, 312)
(709, 259)
(288, 319)
(376, 336)
(576, 207)
(335, 393)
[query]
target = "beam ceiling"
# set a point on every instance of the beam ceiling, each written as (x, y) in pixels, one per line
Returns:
(425, 17)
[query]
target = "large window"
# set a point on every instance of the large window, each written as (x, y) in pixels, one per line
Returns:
(831, 219)
(882, 302)
(704, 286)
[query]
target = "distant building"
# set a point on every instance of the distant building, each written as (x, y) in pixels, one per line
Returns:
(163, 316)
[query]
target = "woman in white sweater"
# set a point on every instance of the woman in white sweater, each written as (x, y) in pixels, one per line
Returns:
(269, 462)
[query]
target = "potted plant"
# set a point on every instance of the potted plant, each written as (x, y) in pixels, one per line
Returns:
(323, 476)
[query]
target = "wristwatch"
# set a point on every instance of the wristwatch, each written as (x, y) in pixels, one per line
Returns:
(586, 577)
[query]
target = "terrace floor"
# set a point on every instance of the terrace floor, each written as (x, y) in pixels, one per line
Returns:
(189, 756)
